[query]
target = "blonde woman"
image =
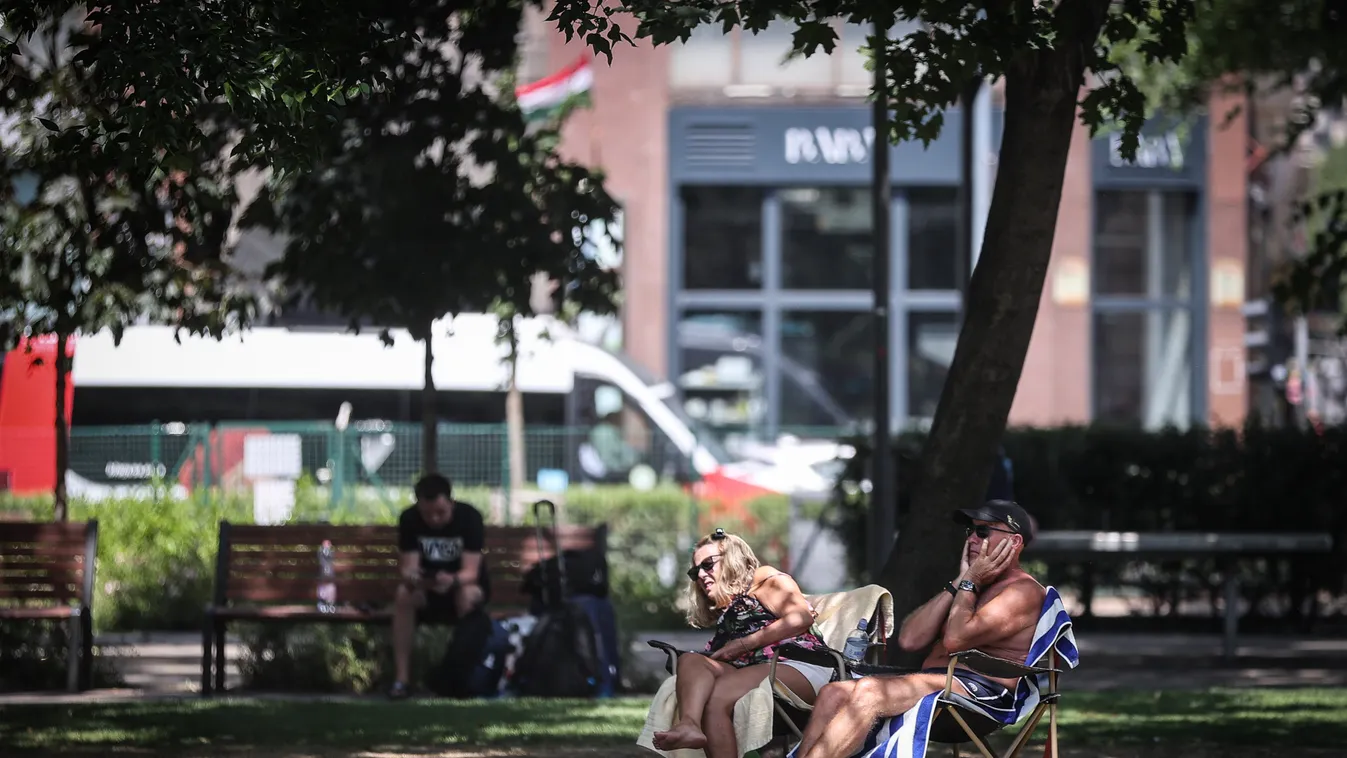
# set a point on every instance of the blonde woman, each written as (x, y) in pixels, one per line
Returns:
(754, 609)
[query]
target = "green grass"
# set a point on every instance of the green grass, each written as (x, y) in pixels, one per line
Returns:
(1235, 718)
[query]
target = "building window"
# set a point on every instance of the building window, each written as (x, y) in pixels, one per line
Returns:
(712, 59)
(1143, 337)
(933, 239)
(931, 337)
(827, 240)
(720, 371)
(722, 238)
(837, 349)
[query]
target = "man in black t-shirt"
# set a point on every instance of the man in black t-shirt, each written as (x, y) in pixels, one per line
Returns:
(443, 577)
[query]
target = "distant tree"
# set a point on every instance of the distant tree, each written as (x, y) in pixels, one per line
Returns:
(91, 238)
(433, 199)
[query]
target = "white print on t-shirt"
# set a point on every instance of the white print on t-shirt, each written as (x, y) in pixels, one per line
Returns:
(441, 549)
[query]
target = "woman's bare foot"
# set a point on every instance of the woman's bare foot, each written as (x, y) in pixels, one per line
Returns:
(684, 735)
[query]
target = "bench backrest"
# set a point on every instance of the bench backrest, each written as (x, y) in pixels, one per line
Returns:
(48, 561)
(263, 565)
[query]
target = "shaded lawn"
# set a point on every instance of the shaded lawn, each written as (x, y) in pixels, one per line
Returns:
(1125, 721)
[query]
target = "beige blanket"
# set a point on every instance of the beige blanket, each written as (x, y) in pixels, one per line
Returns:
(837, 614)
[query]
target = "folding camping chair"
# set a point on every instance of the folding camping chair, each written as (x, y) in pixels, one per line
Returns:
(839, 613)
(947, 717)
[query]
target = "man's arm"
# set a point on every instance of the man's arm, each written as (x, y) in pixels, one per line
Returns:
(922, 626)
(997, 620)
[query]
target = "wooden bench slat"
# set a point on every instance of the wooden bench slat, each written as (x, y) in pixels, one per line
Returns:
(70, 532)
(45, 552)
(40, 592)
(44, 612)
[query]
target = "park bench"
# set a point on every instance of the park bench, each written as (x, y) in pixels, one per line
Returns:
(269, 574)
(1226, 547)
(47, 573)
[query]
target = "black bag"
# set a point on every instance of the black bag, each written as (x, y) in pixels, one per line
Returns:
(474, 660)
(586, 574)
(560, 657)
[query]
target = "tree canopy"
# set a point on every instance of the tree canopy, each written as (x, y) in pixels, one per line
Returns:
(432, 198)
(91, 239)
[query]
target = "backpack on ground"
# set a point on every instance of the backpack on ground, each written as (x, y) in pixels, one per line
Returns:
(474, 660)
(561, 656)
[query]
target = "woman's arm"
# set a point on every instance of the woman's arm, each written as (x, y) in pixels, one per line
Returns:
(782, 596)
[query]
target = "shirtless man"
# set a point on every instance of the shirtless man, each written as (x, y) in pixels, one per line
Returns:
(993, 606)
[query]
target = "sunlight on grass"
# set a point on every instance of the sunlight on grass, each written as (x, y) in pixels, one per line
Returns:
(1251, 718)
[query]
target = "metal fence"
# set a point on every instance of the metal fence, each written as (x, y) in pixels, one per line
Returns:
(381, 454)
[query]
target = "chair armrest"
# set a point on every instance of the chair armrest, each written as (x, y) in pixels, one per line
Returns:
(826, 657)
(1000, 668)
(669, 650)
(877, 669)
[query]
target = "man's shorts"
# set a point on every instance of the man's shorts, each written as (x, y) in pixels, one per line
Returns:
(990, 695)
(440, 608)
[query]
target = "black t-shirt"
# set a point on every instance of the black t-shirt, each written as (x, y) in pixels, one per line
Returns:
(442, 548)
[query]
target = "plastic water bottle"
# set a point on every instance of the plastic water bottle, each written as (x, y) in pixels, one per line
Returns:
(857, 643)
(327, 587)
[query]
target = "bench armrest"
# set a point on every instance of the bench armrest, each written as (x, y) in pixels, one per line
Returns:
(1000, 668)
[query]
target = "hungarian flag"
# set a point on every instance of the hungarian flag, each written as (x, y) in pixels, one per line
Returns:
(548, 97)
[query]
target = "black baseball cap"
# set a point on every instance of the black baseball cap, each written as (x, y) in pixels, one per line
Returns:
(1000, 512)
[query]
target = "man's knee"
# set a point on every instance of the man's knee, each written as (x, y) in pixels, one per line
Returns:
(407, 600)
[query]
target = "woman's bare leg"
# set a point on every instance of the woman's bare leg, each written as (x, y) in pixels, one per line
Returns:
(718, 718)
(697, 676)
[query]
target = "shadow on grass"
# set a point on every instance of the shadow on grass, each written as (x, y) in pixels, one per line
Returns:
(185, 724)
(1252, 718)
(1247, 719)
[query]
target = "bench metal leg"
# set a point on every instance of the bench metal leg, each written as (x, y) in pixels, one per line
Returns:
(1230, 584)
(219, 655)
(72, 665)
(207, 654)
(87, 653)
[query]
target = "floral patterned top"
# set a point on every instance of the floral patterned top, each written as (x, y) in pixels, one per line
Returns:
(745, 615)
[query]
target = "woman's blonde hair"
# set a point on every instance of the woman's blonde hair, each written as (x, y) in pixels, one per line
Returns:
(734, 576)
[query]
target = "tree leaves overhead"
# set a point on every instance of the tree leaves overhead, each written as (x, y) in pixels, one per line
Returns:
(432, 198)
(1296, 45)
(281, 68)
(927, 69)
(91, 237)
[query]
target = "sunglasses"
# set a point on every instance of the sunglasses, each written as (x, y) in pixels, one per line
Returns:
(983, 531)
(707, 565)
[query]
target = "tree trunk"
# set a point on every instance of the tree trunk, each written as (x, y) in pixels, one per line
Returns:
(1002, 303)
(430, 441)
(59, 504)
(514, 426)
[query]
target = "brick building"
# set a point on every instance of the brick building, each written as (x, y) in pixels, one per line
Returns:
(745, 184)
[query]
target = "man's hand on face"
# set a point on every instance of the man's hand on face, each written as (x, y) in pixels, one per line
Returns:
(991, 564)
(963, 563)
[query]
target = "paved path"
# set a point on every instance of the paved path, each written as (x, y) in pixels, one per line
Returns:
(168, 664)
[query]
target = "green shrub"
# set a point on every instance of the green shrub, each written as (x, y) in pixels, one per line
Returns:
(156, 568)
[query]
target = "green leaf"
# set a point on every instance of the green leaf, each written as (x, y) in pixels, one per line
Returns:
(49, 124)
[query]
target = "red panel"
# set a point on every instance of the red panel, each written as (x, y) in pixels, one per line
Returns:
(28, 414)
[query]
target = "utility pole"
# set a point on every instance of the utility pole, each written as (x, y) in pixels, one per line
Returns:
(883, 481)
